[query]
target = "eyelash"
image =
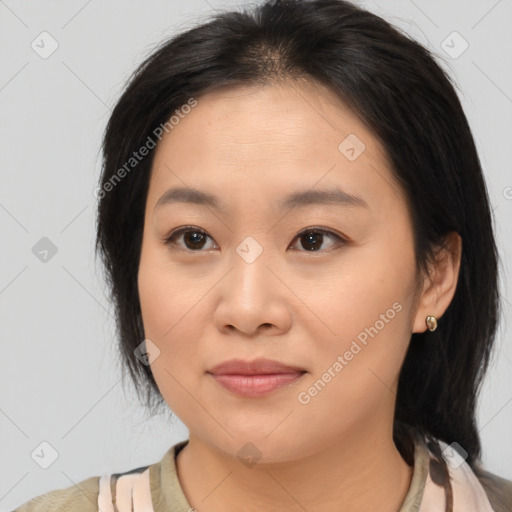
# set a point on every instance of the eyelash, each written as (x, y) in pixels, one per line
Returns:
(339, 240)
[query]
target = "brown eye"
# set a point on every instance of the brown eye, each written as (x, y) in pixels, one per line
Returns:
(193, 239)
(312, 239)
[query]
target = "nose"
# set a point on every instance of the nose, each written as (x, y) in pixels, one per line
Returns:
(252, 297)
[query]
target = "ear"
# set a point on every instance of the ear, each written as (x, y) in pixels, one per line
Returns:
(440, 285)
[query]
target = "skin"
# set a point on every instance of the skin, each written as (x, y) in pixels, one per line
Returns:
(250, 147)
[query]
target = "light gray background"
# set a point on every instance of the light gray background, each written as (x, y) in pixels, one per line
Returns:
(60, 381)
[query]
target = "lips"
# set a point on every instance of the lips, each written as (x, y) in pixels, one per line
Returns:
(255, 378)
(256, 367)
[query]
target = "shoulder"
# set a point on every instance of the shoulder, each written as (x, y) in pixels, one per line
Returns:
(134, 490)
(498, 489)
(80, 497)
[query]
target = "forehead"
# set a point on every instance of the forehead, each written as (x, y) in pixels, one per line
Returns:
(271, 139)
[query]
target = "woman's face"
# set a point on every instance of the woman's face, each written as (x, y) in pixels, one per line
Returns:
(245, 282)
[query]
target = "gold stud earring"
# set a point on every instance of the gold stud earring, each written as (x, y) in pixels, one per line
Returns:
(431, 322)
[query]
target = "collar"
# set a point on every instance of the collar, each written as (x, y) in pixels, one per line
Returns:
(459, 491)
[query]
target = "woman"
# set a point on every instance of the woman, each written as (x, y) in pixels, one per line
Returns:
(299, 244)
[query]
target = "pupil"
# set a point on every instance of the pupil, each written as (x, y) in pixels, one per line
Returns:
(315, 239)
(196, 237)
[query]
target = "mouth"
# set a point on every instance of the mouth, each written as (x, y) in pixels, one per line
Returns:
(257, 378)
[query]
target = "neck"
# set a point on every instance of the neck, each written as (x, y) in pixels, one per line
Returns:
(363, 471)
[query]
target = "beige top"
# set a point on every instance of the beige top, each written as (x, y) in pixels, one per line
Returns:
(156, 488)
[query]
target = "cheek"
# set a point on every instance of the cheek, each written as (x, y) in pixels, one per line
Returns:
(175, 312)
(165, 294)
(367, 309)
(355, 375)
(365, 293)
(170, 322)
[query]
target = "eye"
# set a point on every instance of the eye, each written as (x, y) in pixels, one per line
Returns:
(194, 239)
(313, 238)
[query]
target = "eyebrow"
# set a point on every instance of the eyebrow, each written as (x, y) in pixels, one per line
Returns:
(333, 196)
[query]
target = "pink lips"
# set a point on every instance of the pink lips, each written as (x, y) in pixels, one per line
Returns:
(255, 378)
